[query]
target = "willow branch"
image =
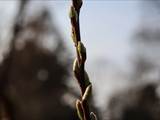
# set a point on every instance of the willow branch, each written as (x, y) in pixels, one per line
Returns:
(81, 75)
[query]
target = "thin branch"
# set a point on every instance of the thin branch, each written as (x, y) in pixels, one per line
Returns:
(79, 64)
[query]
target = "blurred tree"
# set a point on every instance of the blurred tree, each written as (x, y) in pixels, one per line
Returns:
(136, 103)
(32, 76)
(141, 101)
(146, 41)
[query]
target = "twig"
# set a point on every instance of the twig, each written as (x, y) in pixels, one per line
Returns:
(81, 75)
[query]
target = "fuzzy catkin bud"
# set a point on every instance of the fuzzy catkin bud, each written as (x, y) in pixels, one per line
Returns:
(87, 81)
(75, 65)
(82, 51)
(73, 13)
(76, 69)
(74, 35)
(87, 93)
(79, 109)
(93, 116)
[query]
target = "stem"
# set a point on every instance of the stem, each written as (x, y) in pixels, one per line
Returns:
(79, 66)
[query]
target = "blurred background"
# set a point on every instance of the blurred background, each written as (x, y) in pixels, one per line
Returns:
(36, 55)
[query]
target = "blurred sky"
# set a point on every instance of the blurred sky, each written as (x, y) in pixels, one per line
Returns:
(106, 28)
